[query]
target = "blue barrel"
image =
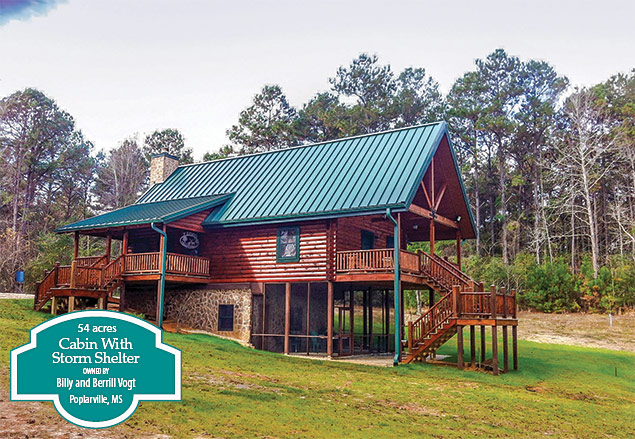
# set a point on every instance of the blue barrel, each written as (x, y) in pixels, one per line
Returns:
(19, 276)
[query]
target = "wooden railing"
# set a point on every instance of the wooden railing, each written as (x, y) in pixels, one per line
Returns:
(64, 275)
(49, 281)
(112, 271)
(364, 260)
(430, 321)
(409, 261)
(91, 261)
(86, 277)
(487, 304)
(187, 265)
(137, 263)
(93, 273)
(470, 305)
(444, 272)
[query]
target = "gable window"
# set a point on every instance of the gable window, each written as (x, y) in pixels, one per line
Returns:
(288, 248)
(368, 240)
(225, 317)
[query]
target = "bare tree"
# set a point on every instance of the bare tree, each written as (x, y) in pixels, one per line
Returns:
(581, 165)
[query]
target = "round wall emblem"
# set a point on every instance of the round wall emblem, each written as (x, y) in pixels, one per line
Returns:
(189, 240)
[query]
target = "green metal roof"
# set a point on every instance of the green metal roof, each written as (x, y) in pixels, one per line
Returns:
(158, 211)
(369, 172)
(356, 175)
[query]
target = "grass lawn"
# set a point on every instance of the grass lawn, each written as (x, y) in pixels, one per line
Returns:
(231, 391)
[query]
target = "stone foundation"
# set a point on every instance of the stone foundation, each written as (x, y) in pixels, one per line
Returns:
(197, 307)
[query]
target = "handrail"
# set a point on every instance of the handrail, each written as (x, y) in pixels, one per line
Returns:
(90, 261)
(365, 260)
(430, 321)
(442, 272)
(454, 268)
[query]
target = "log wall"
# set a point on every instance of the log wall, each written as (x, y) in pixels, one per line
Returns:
(248, 254)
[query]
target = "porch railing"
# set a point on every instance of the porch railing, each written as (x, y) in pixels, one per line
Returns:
(364, 260)
(187, 265)
(139, 263)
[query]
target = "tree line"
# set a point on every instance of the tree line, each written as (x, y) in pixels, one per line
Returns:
(549, 168)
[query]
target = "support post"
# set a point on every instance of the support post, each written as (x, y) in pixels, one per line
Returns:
(430, 297)
(108, 247)
(287, 316)
(162, 267)
(370, 320)
(124, 250)
(505, 351)
(122, 297)
(73, 280)
(397, 287)
(456, 305)
(101, 303)
(483, 344)
(459, 346)
(458, 249)
(364, 319)
(495, 349)
(432, 236)
(71, 304)
(515, 346)
(75, 245)
(54, 305)
(472, 346)
(329, 321)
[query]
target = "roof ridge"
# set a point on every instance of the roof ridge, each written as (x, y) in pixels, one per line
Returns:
(339, 139)
(136, 203)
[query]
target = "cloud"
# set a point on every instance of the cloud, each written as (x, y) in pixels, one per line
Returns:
(25, 9)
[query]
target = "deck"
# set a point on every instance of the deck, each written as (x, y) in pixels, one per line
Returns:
(97, 277)
(416, 269)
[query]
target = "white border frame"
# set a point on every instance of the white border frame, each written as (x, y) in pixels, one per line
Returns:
(135, 399)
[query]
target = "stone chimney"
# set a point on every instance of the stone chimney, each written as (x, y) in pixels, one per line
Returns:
(161, 166)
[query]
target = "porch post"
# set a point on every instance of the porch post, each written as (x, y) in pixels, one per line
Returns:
(459, 346)
(458, 248)
(329, 321)
(122, 297)
(432, 238)
(430, 297)
(108, 246)
(124, 250)
(287, 316)
(75, 245)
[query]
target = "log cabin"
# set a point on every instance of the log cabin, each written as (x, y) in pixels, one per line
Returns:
(298, 250)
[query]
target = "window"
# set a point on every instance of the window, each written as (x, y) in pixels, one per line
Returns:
(288, 244)
(368, 240)
(390, 241)
(225, 317)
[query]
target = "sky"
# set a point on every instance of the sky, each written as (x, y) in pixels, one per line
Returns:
(121, 67)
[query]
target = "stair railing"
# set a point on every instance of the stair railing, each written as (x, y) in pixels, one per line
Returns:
(443, 272)
(430, 321)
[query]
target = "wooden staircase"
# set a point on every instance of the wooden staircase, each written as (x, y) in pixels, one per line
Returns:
(86, 277)
(431, 330)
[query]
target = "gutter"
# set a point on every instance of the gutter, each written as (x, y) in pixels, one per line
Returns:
(164, 257)
(396, 288)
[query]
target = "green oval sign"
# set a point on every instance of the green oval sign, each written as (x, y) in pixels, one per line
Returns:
(96, 366)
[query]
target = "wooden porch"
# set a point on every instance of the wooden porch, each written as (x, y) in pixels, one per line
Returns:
(97, 276)
(416, 269)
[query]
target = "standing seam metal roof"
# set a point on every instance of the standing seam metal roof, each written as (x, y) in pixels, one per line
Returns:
(361, 174)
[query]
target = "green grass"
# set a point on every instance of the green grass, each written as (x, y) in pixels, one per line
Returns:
(232, 391)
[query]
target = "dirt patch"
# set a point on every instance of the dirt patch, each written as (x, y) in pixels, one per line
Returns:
(26, 419)
(590, 330)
